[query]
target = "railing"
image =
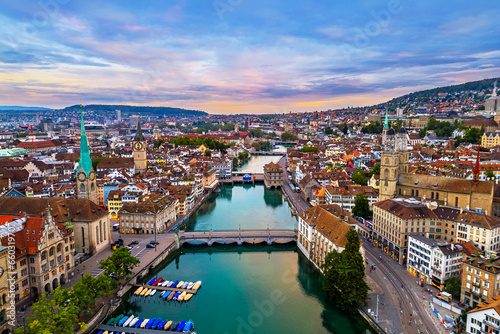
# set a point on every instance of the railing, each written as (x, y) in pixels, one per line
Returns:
(491, 324)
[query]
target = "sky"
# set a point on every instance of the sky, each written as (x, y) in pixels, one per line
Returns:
(241, 56)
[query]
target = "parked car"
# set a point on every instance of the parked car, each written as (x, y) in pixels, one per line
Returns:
(135, 242)
(150, 246)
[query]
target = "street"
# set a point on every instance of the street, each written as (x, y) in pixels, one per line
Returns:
(297, 201)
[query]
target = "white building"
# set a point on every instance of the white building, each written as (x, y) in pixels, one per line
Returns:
(485, 318)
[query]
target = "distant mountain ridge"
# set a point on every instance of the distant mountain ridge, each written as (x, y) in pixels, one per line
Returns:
(140, 110)
(23, 108)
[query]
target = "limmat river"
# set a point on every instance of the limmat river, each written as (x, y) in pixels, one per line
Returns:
(256, 163)
(245, 206)
(248, 289)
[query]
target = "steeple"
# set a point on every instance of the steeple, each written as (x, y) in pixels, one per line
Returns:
(138, 134)
(386, 121)
(85, 162)
(69, 223)
(476, 170)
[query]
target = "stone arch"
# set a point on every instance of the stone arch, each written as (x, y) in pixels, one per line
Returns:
(55, 283)
(63, 279)
(34, 291)
(82, 188)
(48, 288)
(386, 173)
(92, 187)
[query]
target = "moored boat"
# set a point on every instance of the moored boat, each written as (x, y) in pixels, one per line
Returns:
(143, 292)
(144, 323)
(181, 297)
(185, 285)
(156, 323)
(174, 325)
(151, 281)
(161, 325)
(174, 285)
(181, 326)
(188, 297)
(179, 284)
(138, 291)
(122, 321)
(197, 285)
(190, 285)
(188, 326)
(150, 323)
(162, 293)
(167, 325)
(134, 322)
(110, 321)
(171, 295)
(169, 284)
(118, 319)
(138, 323)
(152, 293)
(177, 294)
(129, 320)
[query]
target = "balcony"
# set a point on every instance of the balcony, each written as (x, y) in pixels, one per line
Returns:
(491, 324)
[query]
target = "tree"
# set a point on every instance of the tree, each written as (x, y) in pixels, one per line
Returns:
(243, 155)
(309, 149)
(344, 275)
(96, 161)
(271, 135)
(158, 143)
(86, 291)
(361, 206)
(490, 174)
(359, 177)
(208, 153)
(328, 130)
(56, 315)
(461, 320)
(343, 127)
(257, 133)
(285, 136)
(375, 170)
(235, 162)
(454, 286)
(120, 263)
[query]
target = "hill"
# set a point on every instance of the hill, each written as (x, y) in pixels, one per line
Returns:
(131, 110)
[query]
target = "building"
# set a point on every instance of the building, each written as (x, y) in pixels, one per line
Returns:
(44, 251)
(446, 262)
(490, 139)
(223, 168)
(344, 196)
(420, 257)
(4, 290)
(480, 279)
(273, 175)
(86, 183)
(485, 318)
(151, 216)
(483, 230)
(209, 180)
(140, 154)
(319, 233)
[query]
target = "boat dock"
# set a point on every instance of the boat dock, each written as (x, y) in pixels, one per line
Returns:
(161, 288)
(133, 330)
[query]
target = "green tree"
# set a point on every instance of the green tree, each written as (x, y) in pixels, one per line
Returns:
(359, 177)
(271, 135)
(86, 291)
(285, 136)
(96, 161)
(235, 162)
(343, 127)
(56, 315)
(490, 174)
(361, 206)
(208, 153)
(453, 286)
(309, 149)
(158, 143)
(328, 130)
(119, 263)
(257, 133)
(243, 155)
(375, 170)
(344, 275)
(461, 320)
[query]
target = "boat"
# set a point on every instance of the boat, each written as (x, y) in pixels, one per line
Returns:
(190, 285)
(110, 321)
(144, 323)
(188, 326)
(181, 326)
(162, 293)
(156, 323)
(138, 291)
(171, 295)
(150, 323)
(153, 292)
(138, 323)
(167, 293)
(167, 325)
(174, 285)
(118, 319)
(105, 332)
(100, 332)
(129, 320)
(161, 324)
(181, 297)
(151, 281)
(197, 285)
(188, 296)
(177, 294)
(174, 325)
(122, 321)
(179, 284)
(169, 284)
(185, 285)
(143, 292)
(164, 283)
(133, 322)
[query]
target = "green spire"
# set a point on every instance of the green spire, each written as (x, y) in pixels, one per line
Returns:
(69, 223)
(386, 122)
(85, 162)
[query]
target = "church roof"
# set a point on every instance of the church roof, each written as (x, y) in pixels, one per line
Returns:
(85, 162)
(138, 135)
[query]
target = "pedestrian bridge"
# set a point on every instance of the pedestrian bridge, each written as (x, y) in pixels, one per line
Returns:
(239, 237)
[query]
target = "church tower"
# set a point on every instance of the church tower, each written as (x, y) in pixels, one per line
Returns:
(86, 183)
(386, 128)
(139, 147)
(389, 166)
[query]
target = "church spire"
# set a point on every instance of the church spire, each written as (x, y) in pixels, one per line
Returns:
(138, 134)
(85, 162)
(476, 170)
(386, 121)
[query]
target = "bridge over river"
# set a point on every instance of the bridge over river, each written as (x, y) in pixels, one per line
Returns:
(239, 237)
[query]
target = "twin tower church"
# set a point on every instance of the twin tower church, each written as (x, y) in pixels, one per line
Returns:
(86, 180)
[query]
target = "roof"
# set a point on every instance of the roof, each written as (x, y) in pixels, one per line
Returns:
(327, 224)
(493, 303)
(138, 135)
(406, 209)
(116, 163)
(273, 168)
(445, 184)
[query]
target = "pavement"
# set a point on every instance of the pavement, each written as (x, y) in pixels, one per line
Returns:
(400, 298)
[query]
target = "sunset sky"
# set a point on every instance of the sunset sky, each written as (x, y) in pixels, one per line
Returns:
(241, 56)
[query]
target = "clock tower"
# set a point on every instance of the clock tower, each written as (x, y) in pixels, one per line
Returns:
(139, 147)
(86, 183)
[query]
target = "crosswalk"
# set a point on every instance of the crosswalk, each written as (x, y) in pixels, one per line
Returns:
(96, 272)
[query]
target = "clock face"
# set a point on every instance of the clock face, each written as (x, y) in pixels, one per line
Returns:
(92, 176)
(81, 176)
(138, 146)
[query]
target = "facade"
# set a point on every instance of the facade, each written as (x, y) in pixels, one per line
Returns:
(482, 230)
(44, 252)
(210, 178)
(151, 216)
(319, 233)
(480, 279)
(345, 197)
(446, 263)
(139, 147)
(273, 175)
(4, 291)
(485, 318)
(490, 139)
(223, 168)
(86, 183)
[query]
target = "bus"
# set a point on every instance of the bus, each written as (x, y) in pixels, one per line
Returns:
(116, 227)
(444, 296)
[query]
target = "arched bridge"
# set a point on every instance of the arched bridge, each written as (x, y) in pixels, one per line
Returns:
(239, 236)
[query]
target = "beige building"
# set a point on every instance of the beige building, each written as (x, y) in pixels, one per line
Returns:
(44, 254)
(273, 175)
(4, 291)
(151, 216)
(490, 139)
(480, 279)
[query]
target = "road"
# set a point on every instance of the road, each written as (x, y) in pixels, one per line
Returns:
(399, 286)
(297, 200)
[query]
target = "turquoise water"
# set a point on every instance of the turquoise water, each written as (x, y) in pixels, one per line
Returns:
(245, 206)
(248, 289)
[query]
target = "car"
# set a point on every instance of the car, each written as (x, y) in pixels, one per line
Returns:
(115, 277)
(150, 246)
(130, 247)
(154, 242)
(135, 242)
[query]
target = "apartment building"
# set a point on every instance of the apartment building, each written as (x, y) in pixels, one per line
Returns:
(344, 196)
(485, 318)
(480, 279)
(273, 175)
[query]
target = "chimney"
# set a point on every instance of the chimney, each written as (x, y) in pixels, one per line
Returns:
(452, 245)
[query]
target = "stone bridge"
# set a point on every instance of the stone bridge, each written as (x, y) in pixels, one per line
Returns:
(239, 237)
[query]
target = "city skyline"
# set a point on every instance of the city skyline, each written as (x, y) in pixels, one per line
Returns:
(240, 57)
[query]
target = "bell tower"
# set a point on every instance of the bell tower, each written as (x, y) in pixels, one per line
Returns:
(86, 183)
(139, 147)
(389, 167)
